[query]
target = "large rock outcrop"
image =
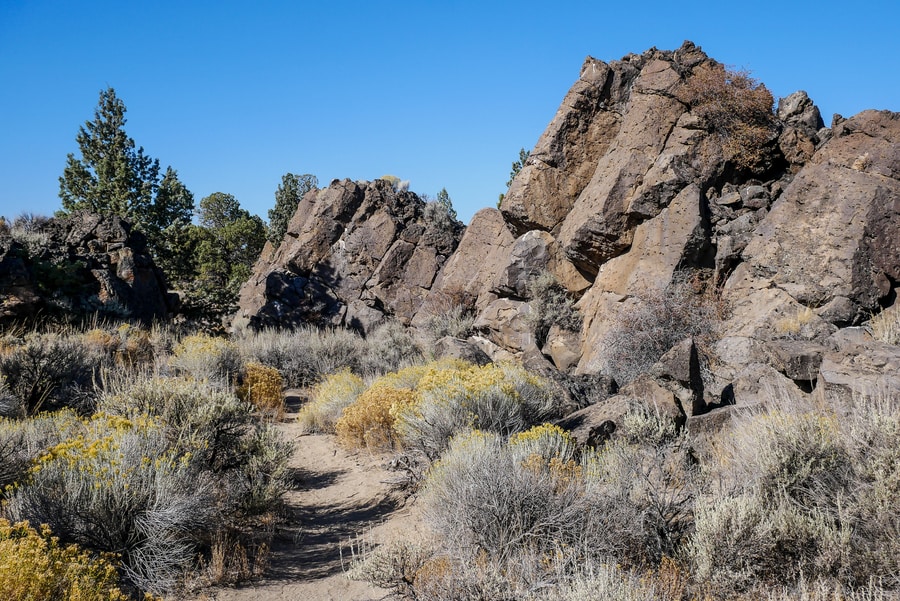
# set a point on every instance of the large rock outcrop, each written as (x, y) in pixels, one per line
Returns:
(80, 265)
(632, 189)
(354, 254)
(787, 229)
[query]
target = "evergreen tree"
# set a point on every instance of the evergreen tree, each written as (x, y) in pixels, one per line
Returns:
(228, 242)
(289, 194)
(112, 177)
(443, 199)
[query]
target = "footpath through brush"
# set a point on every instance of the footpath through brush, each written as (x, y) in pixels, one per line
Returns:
(336, 496)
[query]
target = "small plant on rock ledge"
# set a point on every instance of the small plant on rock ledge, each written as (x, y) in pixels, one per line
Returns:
(736, 107)
(551, 304)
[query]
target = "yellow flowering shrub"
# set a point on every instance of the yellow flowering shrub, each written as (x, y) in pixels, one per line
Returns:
(117, 484)
(329, 398)
(369, 421)
(33, 565)
(263, 387)
(456, 396)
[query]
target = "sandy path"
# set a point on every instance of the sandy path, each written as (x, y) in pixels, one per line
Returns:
(336, 497)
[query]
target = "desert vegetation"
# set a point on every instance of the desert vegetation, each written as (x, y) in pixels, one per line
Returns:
(140, 457)
(788, 502)
(737, 108)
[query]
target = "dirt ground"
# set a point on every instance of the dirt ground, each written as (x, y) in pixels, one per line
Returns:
(338, 499)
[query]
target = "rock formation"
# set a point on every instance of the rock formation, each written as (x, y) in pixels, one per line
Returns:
(80, 265)
(354, 254)
(638, 188)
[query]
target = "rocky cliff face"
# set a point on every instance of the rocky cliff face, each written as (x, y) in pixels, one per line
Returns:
(80, 265)
(354, 254)
(637, 187)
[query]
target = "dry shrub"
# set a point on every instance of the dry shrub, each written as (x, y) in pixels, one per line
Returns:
(232, 559)
(329, 399)
(646, 329)
(119, 487)
(605, 580)
(736, 107)
(263, 387)
(306, 355)
(395, 566)
(453, 397)
(169, 464)
(126, 345)
(207, 358)
(34, 565)
(389, 347)
(46, 372)
(551, 304)
(804, 488)
(450, 313)
(486, 496)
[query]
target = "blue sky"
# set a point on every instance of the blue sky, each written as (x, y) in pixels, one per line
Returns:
(235, 94)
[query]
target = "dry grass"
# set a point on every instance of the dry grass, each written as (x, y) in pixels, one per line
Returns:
(886, 325)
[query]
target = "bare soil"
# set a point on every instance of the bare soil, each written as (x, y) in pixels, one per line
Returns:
(338, 498)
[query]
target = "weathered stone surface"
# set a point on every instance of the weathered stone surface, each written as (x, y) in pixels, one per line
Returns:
(802, 124)
(675, 237)
(508, 323)
(858, 366)
(679, 371)
(528, 257)
(797, 359)
(354, 253)
(563, 347)
(469, 274)
(758, 384)
(833, 233)
(605, 417)
(454, 348)
(79, 265)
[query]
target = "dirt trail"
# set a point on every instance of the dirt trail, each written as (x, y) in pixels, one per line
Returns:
(336, 497)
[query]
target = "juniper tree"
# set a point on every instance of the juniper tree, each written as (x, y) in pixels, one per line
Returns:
(289, 194)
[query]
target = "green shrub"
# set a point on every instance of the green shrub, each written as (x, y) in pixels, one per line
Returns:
(34, 565)
(329, 398)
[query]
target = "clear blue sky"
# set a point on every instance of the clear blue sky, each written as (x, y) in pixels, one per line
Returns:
(235, 94)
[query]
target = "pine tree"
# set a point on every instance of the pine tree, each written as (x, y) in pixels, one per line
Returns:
(112, 177)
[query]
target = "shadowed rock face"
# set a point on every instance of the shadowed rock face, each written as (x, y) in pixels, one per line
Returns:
(354, 253)
(81, 265)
